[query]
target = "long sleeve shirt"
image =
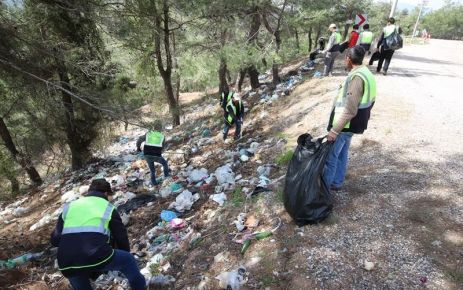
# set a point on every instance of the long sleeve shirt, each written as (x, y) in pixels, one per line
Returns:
(354, 96)
(331, 42)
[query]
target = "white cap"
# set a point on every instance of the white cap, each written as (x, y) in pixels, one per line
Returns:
(332, 25)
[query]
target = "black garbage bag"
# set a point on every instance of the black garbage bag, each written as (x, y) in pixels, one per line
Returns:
(374, 57)
(307, 197)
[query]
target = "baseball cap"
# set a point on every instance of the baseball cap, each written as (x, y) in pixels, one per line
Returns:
(332, 25)
(101, 185)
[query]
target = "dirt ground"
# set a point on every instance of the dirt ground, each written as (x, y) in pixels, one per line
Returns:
(401, 207)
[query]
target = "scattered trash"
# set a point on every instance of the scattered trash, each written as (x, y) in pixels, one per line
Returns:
(136, 202)
(167, 215)
(160, 280)
(219, 198)
(70, 196)
(206, 133)
(165, 192)
(225, 175)
(317, 74)
(233, 279)
(20, 211)
(184, 201)
(254, 236)
(259, 189)
(251, 221)
(239, 222)
(198, 175)
(12, 263)
(176, 187)
(264, 170)
(367, 265)
(423, 279)
(244, 158)
(177, 223)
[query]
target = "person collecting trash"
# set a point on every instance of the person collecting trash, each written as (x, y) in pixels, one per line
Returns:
(234, 112)
(92, 239)
(153, 143)
(349, 115)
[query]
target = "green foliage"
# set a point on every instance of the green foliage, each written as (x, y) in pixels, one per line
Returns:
(284, 158)
(238, 197)
(445, 23)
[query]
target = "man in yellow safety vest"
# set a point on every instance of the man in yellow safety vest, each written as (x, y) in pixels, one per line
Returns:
(386, 52)
(331, 50)
(365, 38)
(350, 115)
(153, 143)
(92, 239)
(234, 112)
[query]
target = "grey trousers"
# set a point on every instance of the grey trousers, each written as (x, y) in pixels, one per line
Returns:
(330, 57)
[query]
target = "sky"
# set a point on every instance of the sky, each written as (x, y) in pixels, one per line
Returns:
(432, 4)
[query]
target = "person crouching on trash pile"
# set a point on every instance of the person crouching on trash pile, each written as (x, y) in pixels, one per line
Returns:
(153, 143)
(92, 239)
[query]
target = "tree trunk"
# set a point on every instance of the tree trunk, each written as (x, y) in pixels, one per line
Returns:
(240, 79)
(24, 161)
(253, 76)
(309, 35)
(14, 185)
(276, 77)
(223, 76)
(296, 35)
(166, 73)
(80, 153)
(346, 31)
(317, 35)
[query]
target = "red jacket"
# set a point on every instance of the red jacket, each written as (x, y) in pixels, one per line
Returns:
(354, 36)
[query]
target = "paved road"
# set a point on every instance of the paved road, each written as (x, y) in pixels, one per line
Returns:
(429, 78)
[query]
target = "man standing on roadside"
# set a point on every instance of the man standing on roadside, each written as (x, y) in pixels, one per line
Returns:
(385, 51)
(350, 115)
(332, 49)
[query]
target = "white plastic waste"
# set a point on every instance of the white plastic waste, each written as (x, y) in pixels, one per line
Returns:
(253, 147)
(83, 189)
(225, 174)
(264, 170)
(244, 158)
(117, 181)
(165, 192)
(219, 198)
(184, 201)
(70, 196)
(43, 221)
(20, 211)
(198, 175)
(233, 279)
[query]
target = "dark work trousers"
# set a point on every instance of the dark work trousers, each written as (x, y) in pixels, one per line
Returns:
(227, 126)
(151, 159)
(366, 46)
(385, 56)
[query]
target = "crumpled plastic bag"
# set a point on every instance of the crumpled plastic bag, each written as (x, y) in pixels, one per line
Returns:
(219, 198)
(233, 279)
(225, 174)
(198, 175)
(184, 201)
